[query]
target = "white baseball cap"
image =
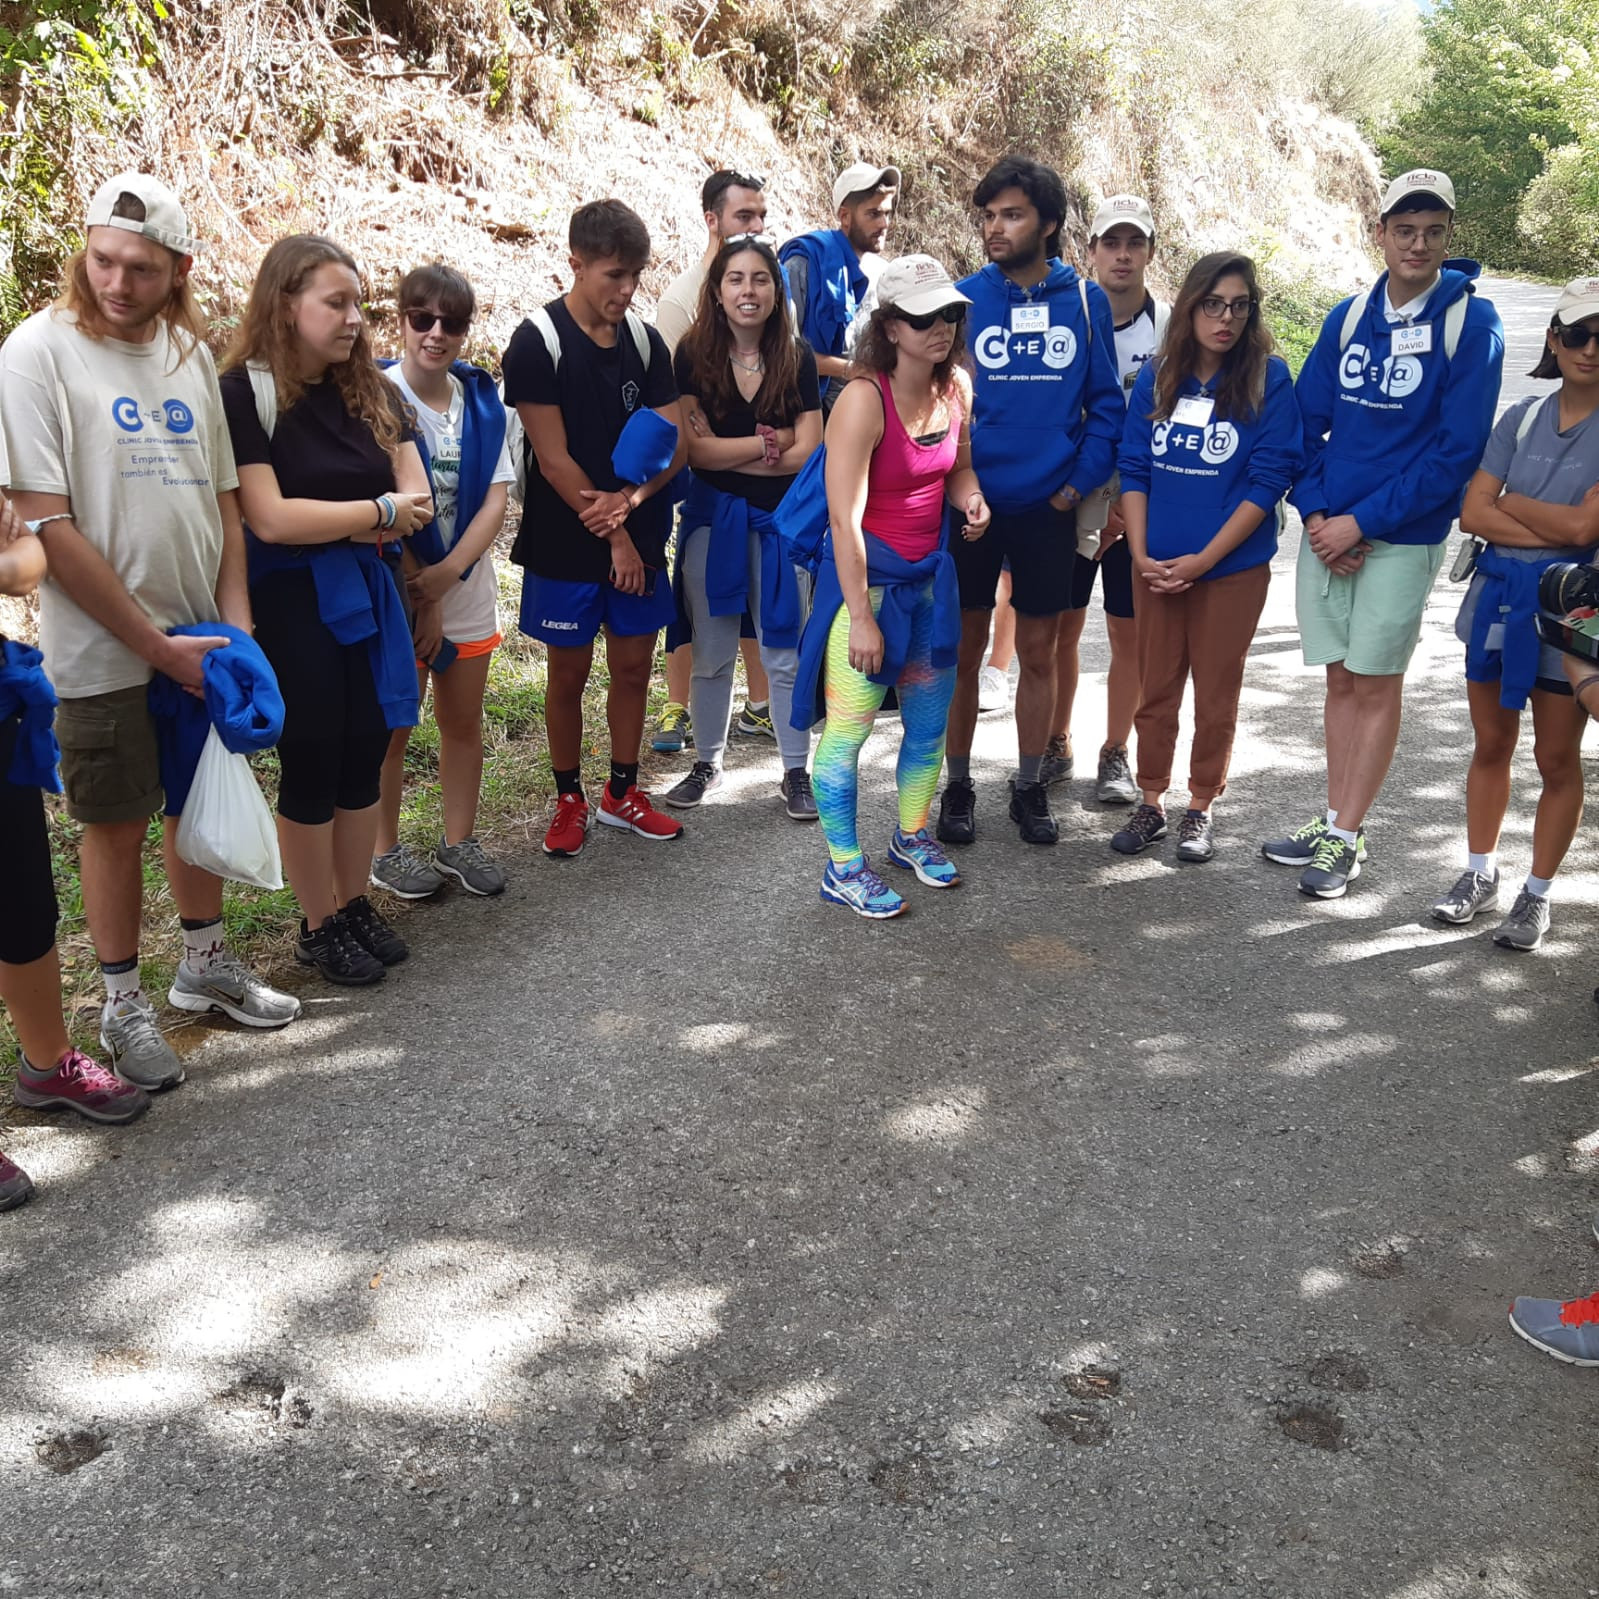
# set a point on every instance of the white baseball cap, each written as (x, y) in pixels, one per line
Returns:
(917, 284)
(1121, 208)
(860, 178)
(1422, 181)
(1578, 300)
(163, 218)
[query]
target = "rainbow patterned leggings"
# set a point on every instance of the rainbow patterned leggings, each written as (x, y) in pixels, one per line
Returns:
(852, 701)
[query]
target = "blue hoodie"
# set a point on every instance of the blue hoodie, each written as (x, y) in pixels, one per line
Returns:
(1047, 403)
(1196, 477)
(1393, 441)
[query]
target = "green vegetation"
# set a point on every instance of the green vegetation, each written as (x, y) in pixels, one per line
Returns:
(1511, 113)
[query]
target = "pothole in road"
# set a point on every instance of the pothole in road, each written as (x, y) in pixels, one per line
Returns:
(65, 1452)
(1078, 1425)
(268, 1399)
(1093, 1382)
(1316, 1423)
(1384, 1258)
(914, 1482)
(1340, 1371)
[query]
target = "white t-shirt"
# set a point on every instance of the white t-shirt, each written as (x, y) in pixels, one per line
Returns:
(140, 446)
(679, 305)
(470, 612)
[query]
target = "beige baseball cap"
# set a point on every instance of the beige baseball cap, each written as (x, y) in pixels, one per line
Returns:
(155, 211)
(1121, 208)
(1578, 300)
(861, 177)
(1422, 181)
(917, 284)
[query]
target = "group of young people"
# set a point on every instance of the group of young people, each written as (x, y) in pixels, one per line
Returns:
(848, 459)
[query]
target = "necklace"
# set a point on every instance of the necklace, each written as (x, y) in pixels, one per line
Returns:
(744, 366)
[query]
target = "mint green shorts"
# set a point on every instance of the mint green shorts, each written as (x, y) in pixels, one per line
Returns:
(1371, 621)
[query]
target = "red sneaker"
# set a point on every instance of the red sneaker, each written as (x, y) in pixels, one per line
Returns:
(15, 1184)
(80, 1084)
(634, 812)
(569, 826)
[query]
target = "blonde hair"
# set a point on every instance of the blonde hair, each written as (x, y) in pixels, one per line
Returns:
(266, 336)
(182, 315)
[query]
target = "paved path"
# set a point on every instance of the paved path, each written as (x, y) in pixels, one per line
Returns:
(659, 1229)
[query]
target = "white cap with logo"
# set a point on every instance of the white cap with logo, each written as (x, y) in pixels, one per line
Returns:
(917, 284)
(1578, 301)
(157, 214)
(1121, 208)
(862, 178)
(1421, 181)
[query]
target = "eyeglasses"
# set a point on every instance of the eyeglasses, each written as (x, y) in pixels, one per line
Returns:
(1404, 235)
(1577, 337)
(952, 314)
(422, 322)
(1216, 308)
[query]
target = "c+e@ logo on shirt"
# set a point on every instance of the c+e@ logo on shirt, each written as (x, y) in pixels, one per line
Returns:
(173, 415)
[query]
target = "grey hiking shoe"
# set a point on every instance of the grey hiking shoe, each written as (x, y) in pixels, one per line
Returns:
(1194, 838)
(469, 864)
(702, 779)
(135, 1048)
(402, 871)
(1299, 847)
(1059, 763)
(1526, 924)
(232, 988)
(1115, 785)
(1333, 867)
(1471, 894)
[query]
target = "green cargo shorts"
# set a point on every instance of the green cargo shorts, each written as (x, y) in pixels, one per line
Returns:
(110, 762)
(1371, 621)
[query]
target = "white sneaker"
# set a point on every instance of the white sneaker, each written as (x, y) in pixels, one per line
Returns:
(993, 689)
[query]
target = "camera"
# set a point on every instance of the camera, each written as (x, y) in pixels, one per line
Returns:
(1568, 608)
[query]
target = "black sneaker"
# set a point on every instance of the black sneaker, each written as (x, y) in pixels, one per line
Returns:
(373, 934)
(957, 813)
(798, 795)
(333, 950)
(1029, 808)
(702, 779)
(1146, 826)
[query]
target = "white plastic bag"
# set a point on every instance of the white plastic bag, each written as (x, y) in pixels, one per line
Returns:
(226, 827)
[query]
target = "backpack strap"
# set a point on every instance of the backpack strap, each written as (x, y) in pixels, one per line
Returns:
(1530, 415)
(1082, 294)
(545, 324)
(265, 390)
(1454, 322)
(1162, 322)
(639, 328)
(1357, 309)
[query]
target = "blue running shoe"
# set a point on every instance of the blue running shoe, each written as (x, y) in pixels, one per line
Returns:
(917, 852)
(862, 890)
(1568, 1331)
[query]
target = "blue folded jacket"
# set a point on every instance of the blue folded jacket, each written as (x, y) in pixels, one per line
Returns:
(242, 702)
(1509, 595)
(900, 580)
(728, 576)
(25, 692)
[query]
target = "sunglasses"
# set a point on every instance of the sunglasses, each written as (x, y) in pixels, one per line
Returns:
(422, 322)
(1577, 336)
(952, 314)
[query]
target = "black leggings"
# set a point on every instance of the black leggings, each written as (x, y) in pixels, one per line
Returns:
(27, 890)
(334, 736)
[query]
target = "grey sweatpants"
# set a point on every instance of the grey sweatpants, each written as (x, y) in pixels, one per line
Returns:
(716, 651)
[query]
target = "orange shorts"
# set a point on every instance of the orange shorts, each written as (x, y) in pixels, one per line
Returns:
(472, 650)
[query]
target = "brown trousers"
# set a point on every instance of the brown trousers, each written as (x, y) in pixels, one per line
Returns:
(1203, 633)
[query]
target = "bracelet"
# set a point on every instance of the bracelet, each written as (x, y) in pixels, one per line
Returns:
(55, 516)
(377, 506)
(388, 511)
(1576, 693)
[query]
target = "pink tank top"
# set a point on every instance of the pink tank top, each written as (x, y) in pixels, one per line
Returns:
(905, 484)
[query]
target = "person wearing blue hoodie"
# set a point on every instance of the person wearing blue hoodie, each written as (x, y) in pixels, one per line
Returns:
(1398, 398)
(462, 432)
(1212, 443)
(1048, 416)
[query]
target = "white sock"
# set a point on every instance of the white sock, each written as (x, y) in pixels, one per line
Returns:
(1482, 865)
(1539, 886)
(122, 986)
(1339, 832)
(202, 946)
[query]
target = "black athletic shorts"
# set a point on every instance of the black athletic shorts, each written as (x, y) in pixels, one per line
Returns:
(1041, 546)
(1116, 567)
(27, 890)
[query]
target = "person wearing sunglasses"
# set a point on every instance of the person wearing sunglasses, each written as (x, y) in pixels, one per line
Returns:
(731, 203)
(886, 607)
(1212, 443)
(1048, 415)
(753, 411)
(1532, 502)
(1398, 397)
(462, 430)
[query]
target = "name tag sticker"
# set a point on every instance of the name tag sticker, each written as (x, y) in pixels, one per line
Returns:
(1195, 411)
(1414, 340)
(1029, 319)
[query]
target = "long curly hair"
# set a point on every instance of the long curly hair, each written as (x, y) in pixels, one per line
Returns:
(1241, 383)
(875, 353)
(709, 343)
(266, 335)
